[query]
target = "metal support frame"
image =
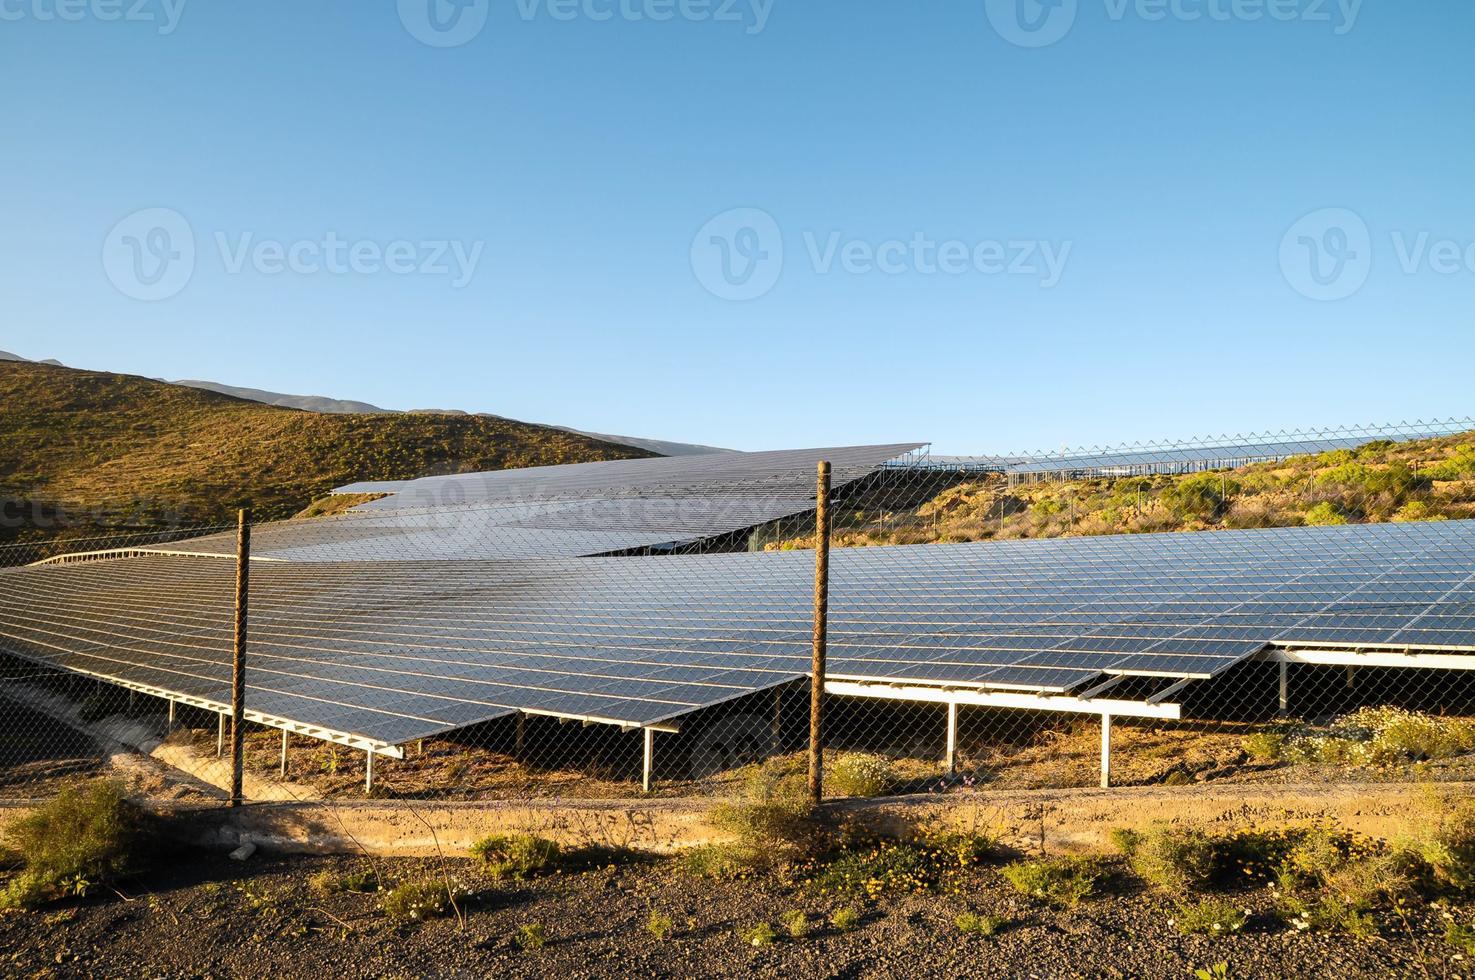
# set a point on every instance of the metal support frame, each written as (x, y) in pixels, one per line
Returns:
(817, 685)
(284, 753)
(1006, 699)
(648, 767)
(951, 759)
(1105, 751)
(171, 716)
(1285, 687)
(238, 661)
(368, 773)
(220, 737)
(519, 736)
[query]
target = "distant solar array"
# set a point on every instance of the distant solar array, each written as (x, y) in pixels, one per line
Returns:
(391, 652)
(1186, 457)
(573, 510)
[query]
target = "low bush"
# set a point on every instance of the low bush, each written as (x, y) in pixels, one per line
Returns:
(330, 882)
(1177, 861)
(762, 934)
(531, 936)
(795, 923)
(861, 775)
(1062, 882)
(659, 925)
(88, 834)
(1211, 916)
(973, 924)
(516, 856)
(1264, 746)
(423, 898)
(846, 919)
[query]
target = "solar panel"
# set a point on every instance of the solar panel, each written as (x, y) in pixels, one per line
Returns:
(397, 651)
(563, 511)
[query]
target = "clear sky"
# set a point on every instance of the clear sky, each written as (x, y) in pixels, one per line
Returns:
(952, 230)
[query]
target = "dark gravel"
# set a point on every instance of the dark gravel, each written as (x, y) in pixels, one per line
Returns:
(208, 917)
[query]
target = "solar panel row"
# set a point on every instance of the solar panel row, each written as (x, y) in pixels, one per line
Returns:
(398, 651)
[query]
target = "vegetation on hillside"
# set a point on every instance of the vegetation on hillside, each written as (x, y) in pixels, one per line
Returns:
(83, 451)
(1431, 479)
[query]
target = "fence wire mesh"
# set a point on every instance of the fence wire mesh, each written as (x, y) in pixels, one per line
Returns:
(1273, 608)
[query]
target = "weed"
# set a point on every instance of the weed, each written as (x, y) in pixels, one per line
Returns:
(795, 923)
(516, 856)
(973, 924)
(1177, 861)
(1264, 746)
(762, 934)
(659, 925)
(1212, 916)
(1461, 938)
(721, 860)
(1062, 882)
(90, 833)
(1125, 840)
(329, 882)
(858, 774)
(531, 936)
(846, 919)
(1219, 971)
(422, 898)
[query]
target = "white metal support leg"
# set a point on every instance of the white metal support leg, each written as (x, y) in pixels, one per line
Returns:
(220, 737)
(171, 716)
(1105, 751)
(650, 755)
(1285, 688)
(519, 737)
(952, 738)
(369, 772)
(284, 753)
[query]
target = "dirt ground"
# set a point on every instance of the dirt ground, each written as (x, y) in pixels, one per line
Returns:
(205, 916)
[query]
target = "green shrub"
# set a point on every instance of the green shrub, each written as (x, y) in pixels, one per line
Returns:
(1201, 495)
(1178, 861)
(89, 834)
(531, 936)
(795, 923)
(1265, 746)
(762, 934)
(723, 861)
(659, 925)
(1461, 937)
(1062, 882)
(888, 867)
(1444, 841)
(516, 856)
(422, 898)
(1460, 466)
(973, 924)
(861, 775)
(1212, 916)
(329, 882)
(772, 818)
(1125, 840)
(1324, 514)
(846, 919)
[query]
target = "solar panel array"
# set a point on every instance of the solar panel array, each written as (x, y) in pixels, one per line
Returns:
(563, 511)
(398, 651)
(1186, 457)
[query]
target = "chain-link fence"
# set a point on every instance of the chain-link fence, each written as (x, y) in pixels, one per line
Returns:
(1291, 608)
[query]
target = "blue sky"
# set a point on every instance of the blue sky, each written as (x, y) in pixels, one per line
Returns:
(1159, 158)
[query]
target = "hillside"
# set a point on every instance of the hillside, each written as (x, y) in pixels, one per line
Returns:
(1430, 479)
(83, 451)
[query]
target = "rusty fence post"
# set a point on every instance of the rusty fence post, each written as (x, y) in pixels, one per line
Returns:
(238, 663)
(821, 627)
